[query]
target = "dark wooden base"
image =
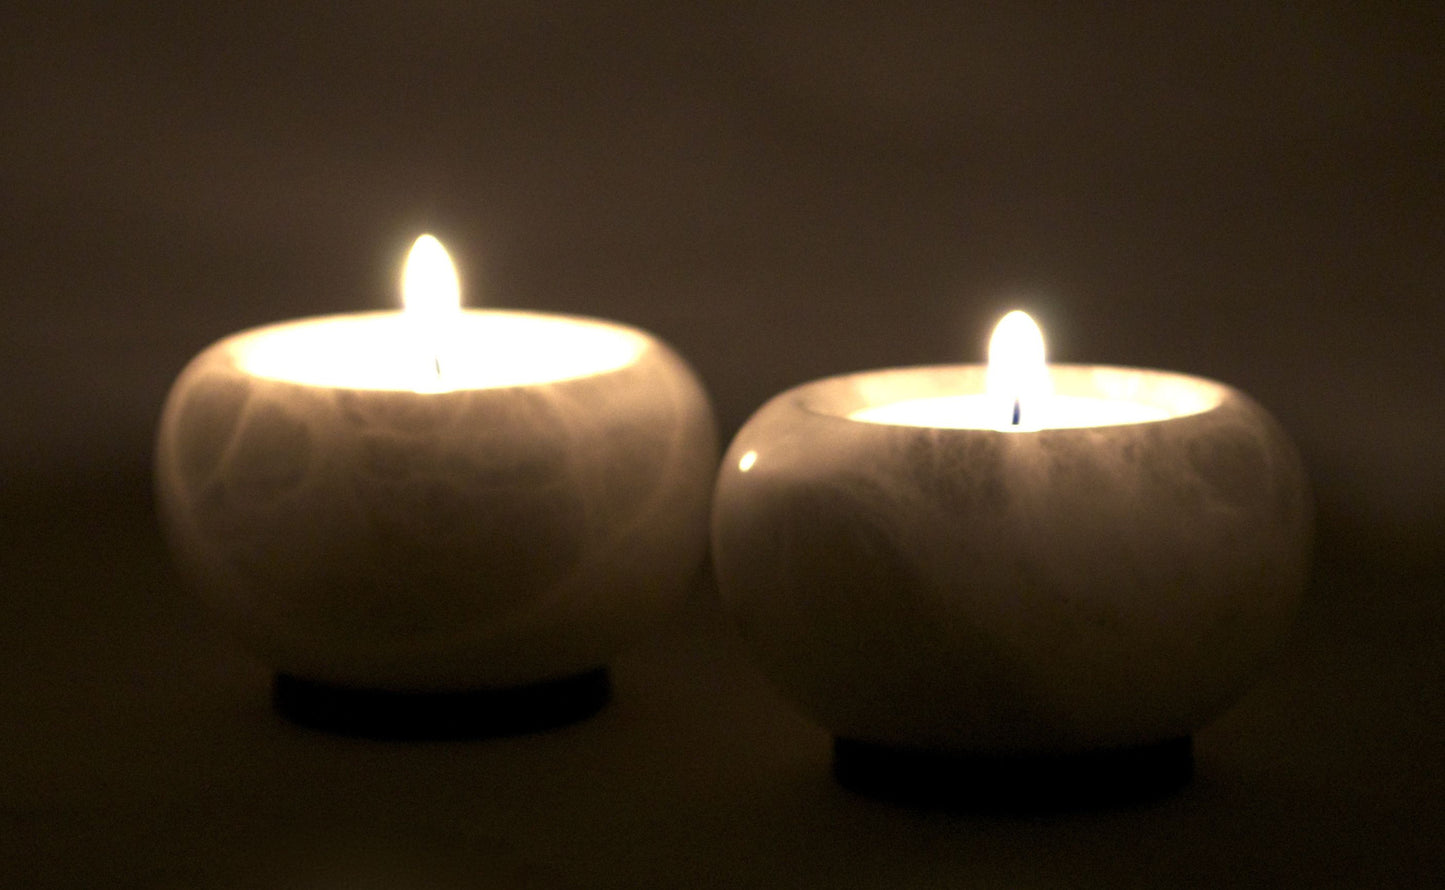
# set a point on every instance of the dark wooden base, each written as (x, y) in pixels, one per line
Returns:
(422, 716)
(1007, 783)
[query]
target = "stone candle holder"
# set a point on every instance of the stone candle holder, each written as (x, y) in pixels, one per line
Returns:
(508, 528)
(1030, 603)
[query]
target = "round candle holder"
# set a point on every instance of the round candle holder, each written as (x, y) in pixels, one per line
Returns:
(988, 595)
(510, 524)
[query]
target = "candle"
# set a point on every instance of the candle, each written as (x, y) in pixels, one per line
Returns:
(439, 498)
(1019, 394)
(1012, 559)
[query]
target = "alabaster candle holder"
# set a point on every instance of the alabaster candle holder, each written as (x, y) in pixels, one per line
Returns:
(504, 514)
(1011, 594)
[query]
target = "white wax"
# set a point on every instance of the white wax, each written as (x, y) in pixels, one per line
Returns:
(478, 349)
(984, 412)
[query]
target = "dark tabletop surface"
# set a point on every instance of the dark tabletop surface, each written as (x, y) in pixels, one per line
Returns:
(782, 191)
(140, 749)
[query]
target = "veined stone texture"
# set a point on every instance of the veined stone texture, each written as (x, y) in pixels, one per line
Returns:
(447, 540)
(979, 591)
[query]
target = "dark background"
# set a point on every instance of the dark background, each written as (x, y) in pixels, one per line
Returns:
(781, 191)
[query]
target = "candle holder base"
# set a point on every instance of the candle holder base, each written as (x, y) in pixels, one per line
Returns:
(441, 716)
(1014, 783)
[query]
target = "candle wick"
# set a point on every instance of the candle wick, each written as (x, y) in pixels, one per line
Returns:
(437, 363)
(1017, 411)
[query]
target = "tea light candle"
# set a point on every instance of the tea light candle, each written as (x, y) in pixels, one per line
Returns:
(437, 499)
(1012, 560)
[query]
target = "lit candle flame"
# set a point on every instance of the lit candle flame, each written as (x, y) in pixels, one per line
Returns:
(432, 298)
(1018, 377)
(429, 284)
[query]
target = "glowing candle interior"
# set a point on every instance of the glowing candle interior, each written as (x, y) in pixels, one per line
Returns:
(371, 351)
(1019, 394)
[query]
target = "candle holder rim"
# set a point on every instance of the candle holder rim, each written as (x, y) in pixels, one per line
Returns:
(231, 346)
(469, 311)
(811, 397)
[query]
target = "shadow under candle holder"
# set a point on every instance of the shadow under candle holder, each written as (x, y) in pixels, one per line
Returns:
(1025, 784)
(441, 716)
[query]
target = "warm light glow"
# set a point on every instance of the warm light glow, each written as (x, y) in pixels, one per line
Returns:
(1018, 378)
(488, 349)
(746, 462)
(429, 286)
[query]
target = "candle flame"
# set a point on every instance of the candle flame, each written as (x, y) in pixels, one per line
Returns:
(429, 286)
(1018, 377)
(432, 301)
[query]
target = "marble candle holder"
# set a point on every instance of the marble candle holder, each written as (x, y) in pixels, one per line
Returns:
(511, 526)
(998, 594)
